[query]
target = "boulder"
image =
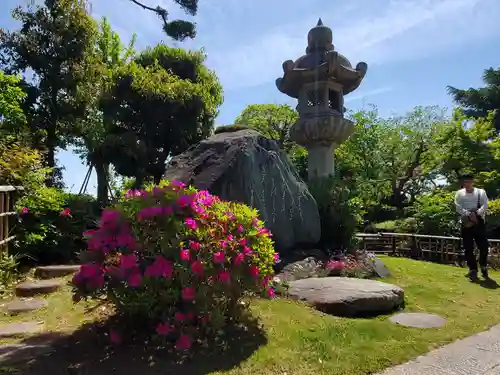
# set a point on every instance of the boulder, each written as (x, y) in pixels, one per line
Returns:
(245, 166)
(349, 297)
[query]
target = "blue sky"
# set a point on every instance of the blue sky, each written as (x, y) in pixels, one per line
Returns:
(413, 48)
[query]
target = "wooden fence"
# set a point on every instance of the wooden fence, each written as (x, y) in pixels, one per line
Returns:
(418, 246)
(6, 212)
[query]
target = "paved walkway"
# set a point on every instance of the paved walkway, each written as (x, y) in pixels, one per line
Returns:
(475, 355)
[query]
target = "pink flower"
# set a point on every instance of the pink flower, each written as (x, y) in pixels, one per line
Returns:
(190, 223)
(65, 212)
(247, 251)
(195, 246)
(185, 254)
(128, 261)
(180, 317)
(115, 337)
(335, 265)
(224, 276)
(135, 279)
(89, 234)
(24, 211)
(184, 200)
(89, 270)
(219, 257)
(197, 267)
(160, 268)
(238, 259)
(243, 242)
(177, 184)
(254, 271)
(163, 329)
(188, 293)
(276, 258)
(240, 228)
(270, 292)
(183, 343)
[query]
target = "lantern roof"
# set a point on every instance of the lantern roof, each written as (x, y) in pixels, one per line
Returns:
(320, 63)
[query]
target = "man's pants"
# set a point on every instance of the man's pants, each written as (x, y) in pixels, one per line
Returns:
(476, 233)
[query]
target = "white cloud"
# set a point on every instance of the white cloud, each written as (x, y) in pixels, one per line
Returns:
(377, 32)
(247, 41)
(367, 94)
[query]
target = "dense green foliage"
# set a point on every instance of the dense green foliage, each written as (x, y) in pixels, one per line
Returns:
(271, 120)
(51, 223)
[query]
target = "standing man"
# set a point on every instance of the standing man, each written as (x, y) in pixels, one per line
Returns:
(471, 204)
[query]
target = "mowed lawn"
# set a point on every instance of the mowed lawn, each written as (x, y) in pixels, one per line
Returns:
(296, 340)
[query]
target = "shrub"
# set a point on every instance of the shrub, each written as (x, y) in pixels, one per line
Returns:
(337, 213)
(51, 225)
(178, 258)
(493, 218)
(357, 264)
(435, 213)
(407, 225)
(231, 129)
(8, 270)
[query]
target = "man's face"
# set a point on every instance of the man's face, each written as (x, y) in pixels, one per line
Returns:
(468, 184)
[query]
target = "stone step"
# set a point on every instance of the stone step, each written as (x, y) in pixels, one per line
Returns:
(15, 353)
(20, 329)
(30, 289)
(18, 306)
(51, 272)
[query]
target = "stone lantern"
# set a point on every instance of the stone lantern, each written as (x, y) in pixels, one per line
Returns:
(319, 80)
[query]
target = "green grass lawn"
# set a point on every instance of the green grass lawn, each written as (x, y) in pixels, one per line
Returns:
(296, 339)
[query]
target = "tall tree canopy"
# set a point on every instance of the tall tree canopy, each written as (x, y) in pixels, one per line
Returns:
(161, 103)
(11, 98)
(478, 103)
(51, 43)
(108, 55)
(272, 120)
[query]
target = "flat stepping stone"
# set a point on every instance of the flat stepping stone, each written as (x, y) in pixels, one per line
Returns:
(30, 289)
(418, 320)
(20, 329)
(14, 353)
(51, 272)
(344, 296)
(24, 305)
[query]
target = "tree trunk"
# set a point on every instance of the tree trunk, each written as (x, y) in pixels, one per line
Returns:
(50, 158)
(102, 172)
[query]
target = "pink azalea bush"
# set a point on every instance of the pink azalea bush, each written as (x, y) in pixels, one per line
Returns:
(178, 258)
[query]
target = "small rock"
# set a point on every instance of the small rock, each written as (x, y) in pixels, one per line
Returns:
(29, 289)
(50, 272)
(379, 267)
(343, 296)
(302, 269)
(418, 320)
(20, 329)
(19, 306)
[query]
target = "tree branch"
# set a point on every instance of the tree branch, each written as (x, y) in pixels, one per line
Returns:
(158, 10)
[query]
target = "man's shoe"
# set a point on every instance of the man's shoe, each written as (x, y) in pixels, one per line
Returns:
(472, 275)
(484, 272)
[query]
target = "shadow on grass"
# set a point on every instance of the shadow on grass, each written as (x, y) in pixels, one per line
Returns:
(87, 351)
(489, 284)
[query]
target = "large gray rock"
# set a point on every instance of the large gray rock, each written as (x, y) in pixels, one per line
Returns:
(245, 166)
(343, 296)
